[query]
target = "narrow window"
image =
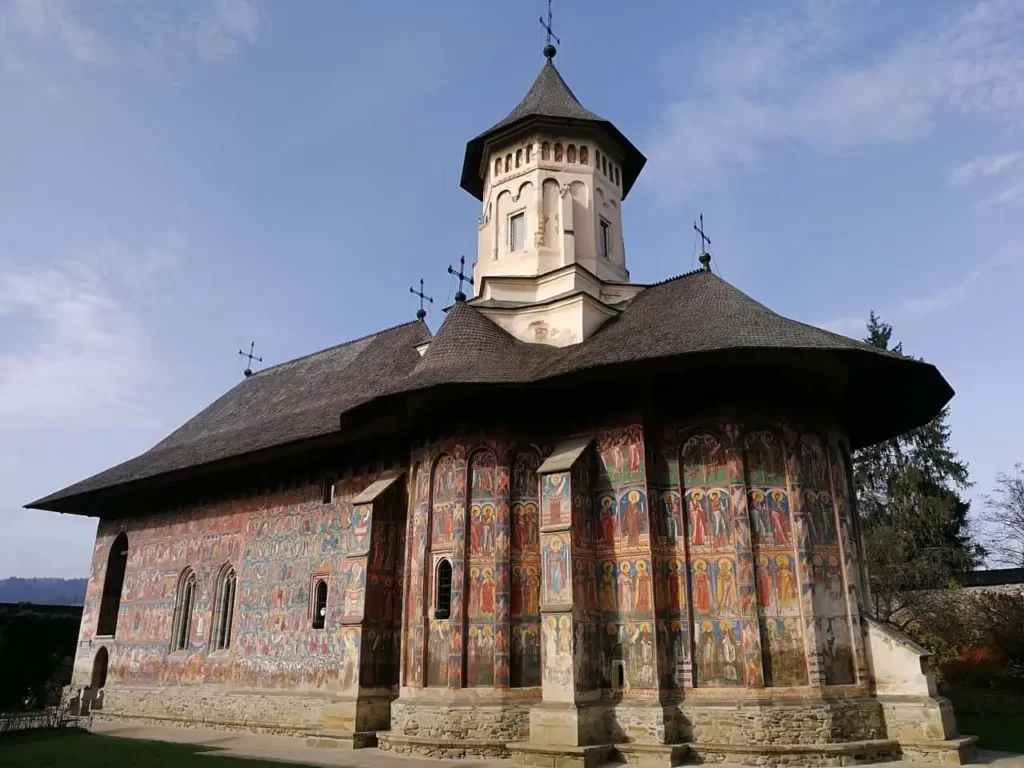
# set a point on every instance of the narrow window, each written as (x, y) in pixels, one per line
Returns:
(545, 151)
(517, 231)
(497, 166)
(617, 181)
(570, 154)
(597, 158)
(558, 153)
(99, 669)
(606, 239)
(328, 489)
(620, 675)
(519, 157)
(224, 609)
(319, 604)
(181, 630)
(584, 155)
(604, 165)
(508, 162)
(529, 153)
(113, 582)
(443, 605)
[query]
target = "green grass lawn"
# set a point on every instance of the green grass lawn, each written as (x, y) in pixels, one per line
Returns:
(72, 748)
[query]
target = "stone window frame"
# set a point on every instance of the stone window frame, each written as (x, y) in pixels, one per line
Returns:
(513, 216)
(605, 236)
(328, 488)
(439, 585)
(315, 582)
(222, 621)
(184, 606)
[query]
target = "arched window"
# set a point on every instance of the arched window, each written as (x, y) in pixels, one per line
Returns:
(529, 152)
(224, 609)
(320, 604)
(558, 152)
(443, 604)
(497, 166)
(584, 155)
(604, 165)
(181, 629)
(519, 157)
(113, 581)
(508, 162)
(617, 180)
(99, 668)
(545, 151)
(570, 154)
(597, 158)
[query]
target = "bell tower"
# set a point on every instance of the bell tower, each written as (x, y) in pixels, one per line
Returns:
(551, 262)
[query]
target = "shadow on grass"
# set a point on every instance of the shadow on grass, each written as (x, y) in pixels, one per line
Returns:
(70, 748)
(995, 717)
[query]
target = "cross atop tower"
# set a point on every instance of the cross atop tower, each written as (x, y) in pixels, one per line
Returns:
(549, 49)
(705, 241)
(251, 357)
(421, 313)
(460, 296)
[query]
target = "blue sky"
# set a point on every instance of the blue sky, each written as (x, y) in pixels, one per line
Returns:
(178, 179)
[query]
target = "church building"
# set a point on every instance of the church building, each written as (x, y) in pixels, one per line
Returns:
(588, 520)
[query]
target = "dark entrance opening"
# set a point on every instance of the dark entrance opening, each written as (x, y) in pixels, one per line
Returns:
(113, 581)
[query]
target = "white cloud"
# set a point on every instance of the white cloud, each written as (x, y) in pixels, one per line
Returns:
(220, 34)
(79, 353)
(1009, 256)
(790, 80)
(1014, 194)
(982, 167)
(56, 20)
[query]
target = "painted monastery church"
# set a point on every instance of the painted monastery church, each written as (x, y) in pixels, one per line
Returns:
(588, 520)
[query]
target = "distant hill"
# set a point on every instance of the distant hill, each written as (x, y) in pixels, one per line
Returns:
(42, 591)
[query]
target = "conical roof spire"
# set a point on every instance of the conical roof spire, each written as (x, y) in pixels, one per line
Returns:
(550, 100)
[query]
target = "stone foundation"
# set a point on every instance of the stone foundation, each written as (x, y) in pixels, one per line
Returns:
(808, 721)
(200, 706)
(459, 720)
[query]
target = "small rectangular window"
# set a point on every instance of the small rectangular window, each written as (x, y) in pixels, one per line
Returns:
(517, 232)
(606, 239)
(328, 490)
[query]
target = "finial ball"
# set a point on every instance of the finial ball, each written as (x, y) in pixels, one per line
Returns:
(421, 314)
(550, 51)
(705, 260)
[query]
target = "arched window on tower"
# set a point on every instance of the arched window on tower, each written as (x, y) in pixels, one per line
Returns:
(618, 180)
(570, 154)
(224, 609)
(508, 162)
(443, 600)
(558, 152)
(529, 153)
(545, 151)
(497, 166)
(181, 629)
(604, 165)
(320, 604)
(584, 155)
(113, 582)
(519, 157)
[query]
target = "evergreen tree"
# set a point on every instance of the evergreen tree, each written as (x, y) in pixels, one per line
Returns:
(915, 524)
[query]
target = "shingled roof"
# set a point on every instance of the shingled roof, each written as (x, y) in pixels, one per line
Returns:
(294, 401)
(549, 100)
(690, 318)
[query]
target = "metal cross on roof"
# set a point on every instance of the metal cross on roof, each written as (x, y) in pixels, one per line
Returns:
(460, 296)
(549, 49)
(251, 356)
(421, 312)
(705, 241)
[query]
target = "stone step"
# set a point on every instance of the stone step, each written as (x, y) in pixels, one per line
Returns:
(341, 739)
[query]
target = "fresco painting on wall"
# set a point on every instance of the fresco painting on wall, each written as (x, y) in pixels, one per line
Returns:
(832, 640)
(437, 654)
(556, 570)
(674, 652)
(556, 505)
(524, 624)
(785, 662)
(621, 457)
(449, 488)
(719, 654)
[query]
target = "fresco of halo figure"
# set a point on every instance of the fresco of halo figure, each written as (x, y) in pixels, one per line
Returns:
(719, 654)
(621, 457)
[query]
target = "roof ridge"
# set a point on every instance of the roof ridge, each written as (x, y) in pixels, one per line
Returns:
(338, 346)
(691, 273)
